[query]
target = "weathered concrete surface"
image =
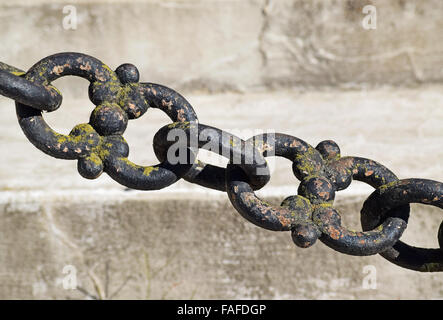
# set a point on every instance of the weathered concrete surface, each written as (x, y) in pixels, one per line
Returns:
(237, 45)
(144, 246)
(401, 128)
(187, 242)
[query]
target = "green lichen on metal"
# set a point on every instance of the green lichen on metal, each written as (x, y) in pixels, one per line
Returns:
(81, 133)
(316, 218)
(431, 267)
(11, 69)
(18, 73)
(304, 206)
(181, 125)
(123, 97)
(326, 204)
(387, 186)
(101, 151)
(111, 73)
(94, 158)
(304, 163)
(55, 89)
(148, 170)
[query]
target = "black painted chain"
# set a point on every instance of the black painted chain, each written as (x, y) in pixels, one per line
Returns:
(98, 146)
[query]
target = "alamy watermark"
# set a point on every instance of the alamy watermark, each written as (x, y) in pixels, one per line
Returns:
(370, 280)
(70, 20)
(70, 280)
(369, 22)
(222, 143)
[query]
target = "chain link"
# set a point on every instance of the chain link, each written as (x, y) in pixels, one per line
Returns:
(99, 146)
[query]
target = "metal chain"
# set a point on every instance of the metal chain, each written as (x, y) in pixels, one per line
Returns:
(98, 146)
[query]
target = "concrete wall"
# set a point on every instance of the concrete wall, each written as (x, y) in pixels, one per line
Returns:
(305, 68)
(239, 45)
(185, 247)
(188, 242)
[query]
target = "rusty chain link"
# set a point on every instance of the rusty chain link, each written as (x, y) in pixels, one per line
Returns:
(98, 146)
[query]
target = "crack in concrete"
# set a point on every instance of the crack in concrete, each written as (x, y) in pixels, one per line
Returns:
(57, 232)
(264, 28)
